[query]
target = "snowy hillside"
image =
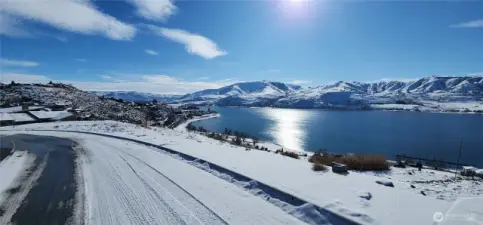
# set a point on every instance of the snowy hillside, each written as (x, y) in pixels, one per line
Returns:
(457, 94)
(86, 104)
(136, 96)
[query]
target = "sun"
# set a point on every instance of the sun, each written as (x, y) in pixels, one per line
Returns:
(296, 9)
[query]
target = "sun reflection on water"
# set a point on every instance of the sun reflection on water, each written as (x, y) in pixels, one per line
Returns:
(288, 127)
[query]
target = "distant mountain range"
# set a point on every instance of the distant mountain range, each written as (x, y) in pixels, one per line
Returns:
(137, 96)
(429, 93)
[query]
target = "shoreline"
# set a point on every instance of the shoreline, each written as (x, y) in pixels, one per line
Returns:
(425, 110)
(182, 126)
(270, 145)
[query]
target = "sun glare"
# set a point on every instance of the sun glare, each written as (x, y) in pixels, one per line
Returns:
(297, 8)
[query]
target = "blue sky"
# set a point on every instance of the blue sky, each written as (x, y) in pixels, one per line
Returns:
(183, 46)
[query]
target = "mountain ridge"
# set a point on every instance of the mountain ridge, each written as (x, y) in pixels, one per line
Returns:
(425, 93)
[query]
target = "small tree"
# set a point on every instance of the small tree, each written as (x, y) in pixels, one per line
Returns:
(243, 136)
(190, 127)
(238, 141)
(255, 140)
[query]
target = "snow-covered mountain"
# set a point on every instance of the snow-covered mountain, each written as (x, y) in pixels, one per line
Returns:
(247, 93)
(135, 96)
(426, 93)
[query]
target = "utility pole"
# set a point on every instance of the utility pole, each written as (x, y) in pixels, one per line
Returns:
(459, 155)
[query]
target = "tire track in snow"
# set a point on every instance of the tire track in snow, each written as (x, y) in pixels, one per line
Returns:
(152, 197)
(116, 198)
(203, 209)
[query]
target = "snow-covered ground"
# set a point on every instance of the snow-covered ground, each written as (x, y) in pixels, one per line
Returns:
(355, 196)
(140, 185)
(17, 109)
(11, 169)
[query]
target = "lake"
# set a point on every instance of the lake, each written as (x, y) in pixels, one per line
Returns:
(374, 132)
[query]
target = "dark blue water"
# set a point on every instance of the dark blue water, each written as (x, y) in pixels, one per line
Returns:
(430, 135)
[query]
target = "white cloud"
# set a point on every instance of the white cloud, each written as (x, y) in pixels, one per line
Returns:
(23, 78)
(476, 74)
(271, 71)
(12, 27)
(153, 83)
(300, 82)
(194, 43)
(158, 10)
(203, 78)
(71, 15)
(151, 52)
(17, 63)
(470, 24)
(81, 60)
(106, 77)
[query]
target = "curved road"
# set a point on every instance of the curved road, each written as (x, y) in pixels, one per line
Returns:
(121, 189)
(88, 179)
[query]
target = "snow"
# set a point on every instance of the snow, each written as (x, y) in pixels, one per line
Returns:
(345, 195)
(17, 109)
(453, 94)
(55, 115)
(21, 117)
(6, 117)
(11, 168)
(182, 126)
(394, 106)
(140, 185)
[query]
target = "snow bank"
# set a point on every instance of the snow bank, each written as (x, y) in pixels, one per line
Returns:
(11, 168)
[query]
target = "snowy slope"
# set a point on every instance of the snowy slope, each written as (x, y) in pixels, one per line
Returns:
(243, 93)
(344, 195)
(87, 103)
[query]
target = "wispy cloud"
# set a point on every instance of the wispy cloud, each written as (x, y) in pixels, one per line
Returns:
(18, 63)
(300, 82)
(62, 39)
(12, 27)
(23, 78)
(203, 78)
(81, 60)
(272, 71)
(71, 15)
(154, 83)
(151, 52)
(194, 43)
(158, 10)
(470, 24)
